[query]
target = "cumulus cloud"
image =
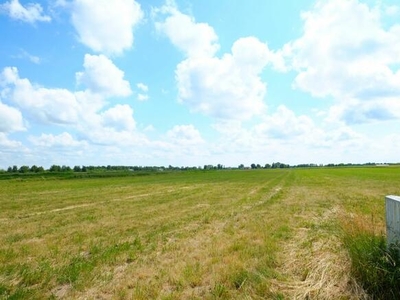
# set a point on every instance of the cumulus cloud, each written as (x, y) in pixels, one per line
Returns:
(284, 124)
(226, 87)
(106, 26)
(6, 143)
(119, 117)
(355, 111)
(280, 132)
(31, 13)
(103, 77)
(51, 106)
(63, 140)
(345, 52)
(81, 111)
(193, 39)
(10, 119)
(185, 135)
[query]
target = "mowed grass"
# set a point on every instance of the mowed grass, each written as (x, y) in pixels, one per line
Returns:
(253, 234)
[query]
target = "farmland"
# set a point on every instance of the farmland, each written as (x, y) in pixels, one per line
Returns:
(224, 234)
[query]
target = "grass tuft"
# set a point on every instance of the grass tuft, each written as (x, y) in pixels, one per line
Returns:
(374, 266)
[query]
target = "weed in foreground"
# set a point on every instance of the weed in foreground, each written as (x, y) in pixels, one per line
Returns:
(374, 266)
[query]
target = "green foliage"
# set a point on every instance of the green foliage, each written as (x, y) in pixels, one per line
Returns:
(375, 266)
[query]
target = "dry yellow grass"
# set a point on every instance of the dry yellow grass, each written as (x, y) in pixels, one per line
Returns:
(270, 234)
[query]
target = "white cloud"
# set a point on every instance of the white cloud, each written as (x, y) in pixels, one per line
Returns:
(234, 138)
(141, 86)
(229, 87)
(31, 13)
(184, 135)
(284, 124)
(25, 55)
(10, 119)
(81, 111)
(50, 106)
(180, 144)
(144, 88)
(281, 133)
(110, 136)
(119, 117)
(194, 39)
(225, 88)
(103, 77)
(5, 142)
(354, 111)
(63, 140)
(143, 97)
(346, 53)
(392, 10)
(106, 26)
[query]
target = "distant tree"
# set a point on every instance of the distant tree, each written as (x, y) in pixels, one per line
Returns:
(9, 170)
(15, 169)
(84, 169)
(24, 169)
(253, 166)
(77, 169)
(276, 165)
(267, 166)
(55, 168)
(34, 169)
(65, 168)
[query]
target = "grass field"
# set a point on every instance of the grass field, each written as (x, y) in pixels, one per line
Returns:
(254, 234)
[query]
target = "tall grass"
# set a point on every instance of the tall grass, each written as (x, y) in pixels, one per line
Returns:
(374, 265)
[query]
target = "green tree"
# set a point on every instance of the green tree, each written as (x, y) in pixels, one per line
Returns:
(55, 168)
(65, 169)
(24, 169)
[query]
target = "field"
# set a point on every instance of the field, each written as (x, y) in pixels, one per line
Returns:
(229, 234)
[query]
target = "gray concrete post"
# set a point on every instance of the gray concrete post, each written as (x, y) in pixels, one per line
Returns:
(392, 205)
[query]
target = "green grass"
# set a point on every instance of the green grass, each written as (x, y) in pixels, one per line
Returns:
(373, 264)
(251, 234)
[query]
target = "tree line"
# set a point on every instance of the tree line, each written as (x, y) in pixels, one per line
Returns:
(109, 168)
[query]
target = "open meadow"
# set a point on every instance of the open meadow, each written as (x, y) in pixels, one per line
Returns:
(226, 234)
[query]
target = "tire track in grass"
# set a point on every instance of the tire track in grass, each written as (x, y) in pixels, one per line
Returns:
(313, 264)
(190, 256)
(71, 207)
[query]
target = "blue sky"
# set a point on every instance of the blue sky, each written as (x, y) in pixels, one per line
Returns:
(96, 82)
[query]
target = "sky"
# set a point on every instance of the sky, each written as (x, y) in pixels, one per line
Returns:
(190, 82)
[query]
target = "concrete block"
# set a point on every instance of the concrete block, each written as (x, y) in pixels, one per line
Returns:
(392, 206)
